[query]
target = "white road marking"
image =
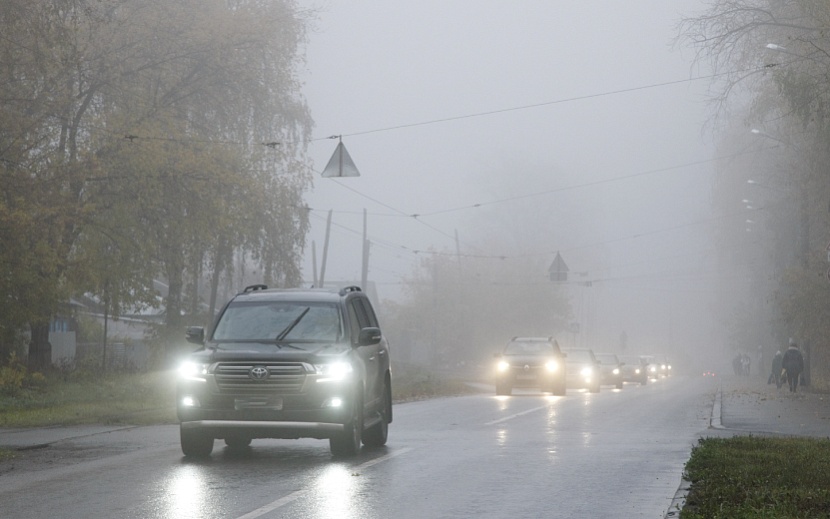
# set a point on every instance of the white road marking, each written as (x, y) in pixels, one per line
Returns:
(270, 507)
(512, 416)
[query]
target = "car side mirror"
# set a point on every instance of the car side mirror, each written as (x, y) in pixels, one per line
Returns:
(195, 334)
(368, 336)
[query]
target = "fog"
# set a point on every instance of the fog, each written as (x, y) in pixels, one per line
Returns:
(527, 128)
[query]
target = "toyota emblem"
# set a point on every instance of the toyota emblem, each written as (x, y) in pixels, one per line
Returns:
(258, 373)
(527, 367)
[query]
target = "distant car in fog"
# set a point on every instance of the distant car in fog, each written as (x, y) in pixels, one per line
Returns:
(610, 369)
(530, 362)
(583, 369)
(634, 369)
(659, 366)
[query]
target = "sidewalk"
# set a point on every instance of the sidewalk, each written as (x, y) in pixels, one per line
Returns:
(750, 405)
(40, 437)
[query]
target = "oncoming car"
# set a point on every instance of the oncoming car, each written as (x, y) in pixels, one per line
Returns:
(288, 363)
(634, 369)
(530, 362)
(610, 368)
(583, 369)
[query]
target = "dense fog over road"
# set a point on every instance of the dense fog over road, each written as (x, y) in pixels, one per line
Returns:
(527, 128)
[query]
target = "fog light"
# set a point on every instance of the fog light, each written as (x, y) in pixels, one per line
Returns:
(189, 401)
(333, 402)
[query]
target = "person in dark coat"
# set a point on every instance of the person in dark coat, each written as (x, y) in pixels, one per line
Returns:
(777, 366)
(793, 364)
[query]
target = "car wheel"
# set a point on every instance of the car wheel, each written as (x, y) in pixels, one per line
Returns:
(503, 389)
(195, 443)
(559, 389)
(644, 381)
(619, 385)
(235, 442)
(376, 435)
(347, 443)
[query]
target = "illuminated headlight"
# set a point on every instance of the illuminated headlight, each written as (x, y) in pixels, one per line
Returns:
(637, 371)
(662, 366)
(586, 371)
(669, 367)
(616, 371)
(503, 365)
(551, 365)
(333, 372)
(652, 368)
(193, 370)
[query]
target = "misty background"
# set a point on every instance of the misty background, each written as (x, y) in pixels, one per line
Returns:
(528, 129)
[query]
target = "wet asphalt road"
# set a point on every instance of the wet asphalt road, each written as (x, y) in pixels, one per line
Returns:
(612, 454)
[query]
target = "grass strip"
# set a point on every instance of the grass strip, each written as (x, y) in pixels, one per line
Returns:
(149, 398)
(758, 477)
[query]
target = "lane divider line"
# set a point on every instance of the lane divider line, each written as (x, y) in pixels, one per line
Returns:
(293, 496)
(512, 416)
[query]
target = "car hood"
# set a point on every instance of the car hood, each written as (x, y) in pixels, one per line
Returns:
(527, 359)
(269, 352)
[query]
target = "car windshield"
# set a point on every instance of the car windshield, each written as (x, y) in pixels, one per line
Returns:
(264, 321)
(581, 356)
(529, 348)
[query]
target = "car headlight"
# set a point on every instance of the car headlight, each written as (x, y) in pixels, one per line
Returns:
(616, 371)
(662, 366)
(637, 371)
(586, 371)
(503, 365)
(333, 372)
(551, 365)
(190, 370)
(653, 369)
(669, 367)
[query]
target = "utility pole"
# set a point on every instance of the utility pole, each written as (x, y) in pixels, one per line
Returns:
(314, 263)
(364, 271)
(325, 251)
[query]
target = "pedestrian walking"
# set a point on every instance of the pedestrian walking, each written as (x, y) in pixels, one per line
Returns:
(793, 364)
(777, 367)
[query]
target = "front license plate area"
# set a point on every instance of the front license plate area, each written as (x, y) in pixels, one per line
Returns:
(258, 403)
(526, 376)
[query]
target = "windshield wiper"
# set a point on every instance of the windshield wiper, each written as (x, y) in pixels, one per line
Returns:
(291, 326)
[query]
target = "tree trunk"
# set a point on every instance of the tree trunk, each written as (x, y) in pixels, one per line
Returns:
(40, 350)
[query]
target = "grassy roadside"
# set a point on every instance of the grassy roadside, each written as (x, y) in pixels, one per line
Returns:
(142, 399)
(758, 477)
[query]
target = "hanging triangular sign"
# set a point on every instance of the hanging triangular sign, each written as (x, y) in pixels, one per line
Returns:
(341, 164)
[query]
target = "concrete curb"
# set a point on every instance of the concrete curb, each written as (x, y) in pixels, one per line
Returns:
(679, 499)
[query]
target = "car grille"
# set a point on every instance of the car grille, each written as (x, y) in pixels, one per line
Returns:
(234, 379)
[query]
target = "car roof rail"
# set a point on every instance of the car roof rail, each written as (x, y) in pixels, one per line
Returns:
(254, 288)
(351, 288)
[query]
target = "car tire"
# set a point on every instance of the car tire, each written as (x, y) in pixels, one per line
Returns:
(619, 385)
(347, 443)
(376, 435)
(503, 389)
(560, 389)
(235, 442)
(195, 443)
